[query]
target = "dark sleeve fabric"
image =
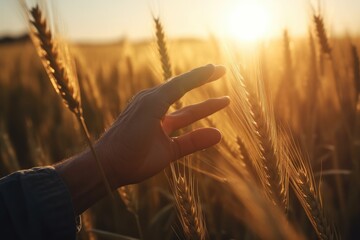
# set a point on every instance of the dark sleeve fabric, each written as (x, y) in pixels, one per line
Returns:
(36, 204)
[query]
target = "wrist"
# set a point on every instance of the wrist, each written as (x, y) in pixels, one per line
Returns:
(81, 175)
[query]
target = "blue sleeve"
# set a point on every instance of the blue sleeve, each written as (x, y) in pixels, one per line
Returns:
(36, 204)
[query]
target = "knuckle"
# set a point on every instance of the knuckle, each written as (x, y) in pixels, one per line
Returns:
(151, 101)
(148, 99)
(140, 95)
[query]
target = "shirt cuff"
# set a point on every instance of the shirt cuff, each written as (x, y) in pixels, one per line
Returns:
(49, 199)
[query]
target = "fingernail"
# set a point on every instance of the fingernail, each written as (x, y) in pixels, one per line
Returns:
(221, 68)
(210, 66)
(226, 97)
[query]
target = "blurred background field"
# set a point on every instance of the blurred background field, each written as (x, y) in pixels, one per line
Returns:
(311, 93)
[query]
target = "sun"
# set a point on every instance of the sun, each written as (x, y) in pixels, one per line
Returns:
(248, 22)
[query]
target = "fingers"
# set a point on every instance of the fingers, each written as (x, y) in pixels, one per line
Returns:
(218, 73)
(175, 88)
(195, 141)
(193, 113)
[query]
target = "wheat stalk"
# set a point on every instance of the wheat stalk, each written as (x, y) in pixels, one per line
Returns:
(321, 34)
(255, 209)
(356, 69)
(274, 184)
(313, 81)
(345, 107)
(243, 114)
(303, 182)
(51, 58)
(255, 122)
(88, 223)
(163, 53)
(162, 48)
(62, 76)
(189, 211)
(128, 194)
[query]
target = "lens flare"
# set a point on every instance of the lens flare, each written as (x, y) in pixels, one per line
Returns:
(248, 22)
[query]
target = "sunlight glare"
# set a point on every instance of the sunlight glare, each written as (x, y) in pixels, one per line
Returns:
(248, 21)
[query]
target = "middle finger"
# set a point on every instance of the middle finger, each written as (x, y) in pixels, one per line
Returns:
(193, 113)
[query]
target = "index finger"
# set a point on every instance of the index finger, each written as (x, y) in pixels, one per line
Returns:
(175, 88)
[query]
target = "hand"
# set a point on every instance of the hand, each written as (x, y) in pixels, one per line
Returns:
(138, 145)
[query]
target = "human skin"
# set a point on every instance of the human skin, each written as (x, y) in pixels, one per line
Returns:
(138, 145)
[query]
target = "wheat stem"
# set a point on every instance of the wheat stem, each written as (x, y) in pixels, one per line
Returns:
(61, 78)
(99, 165)
(138, 225)
(189, 211)
(303, 182)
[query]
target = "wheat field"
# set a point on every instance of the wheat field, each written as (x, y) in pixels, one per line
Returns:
(288, 165)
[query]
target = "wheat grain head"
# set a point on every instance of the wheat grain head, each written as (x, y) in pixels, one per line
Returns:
(55, 61)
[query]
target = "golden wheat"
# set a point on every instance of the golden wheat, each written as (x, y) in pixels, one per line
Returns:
(303, 182)
(163, 52)
(271, 163)
(189, 211)
(64, 83)
(257, 129)
(321, 34)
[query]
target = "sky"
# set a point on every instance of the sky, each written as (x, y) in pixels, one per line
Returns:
(108, 20)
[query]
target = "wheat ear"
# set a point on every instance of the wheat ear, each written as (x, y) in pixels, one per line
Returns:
(258, 213)
(162, 48)
(54, 66)
(246, 159)
(303, 182)
(63, 80)
(271, 166)
(321, 34)
(341, 94)
(163, 53)
(257, 128)
(188, 209)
